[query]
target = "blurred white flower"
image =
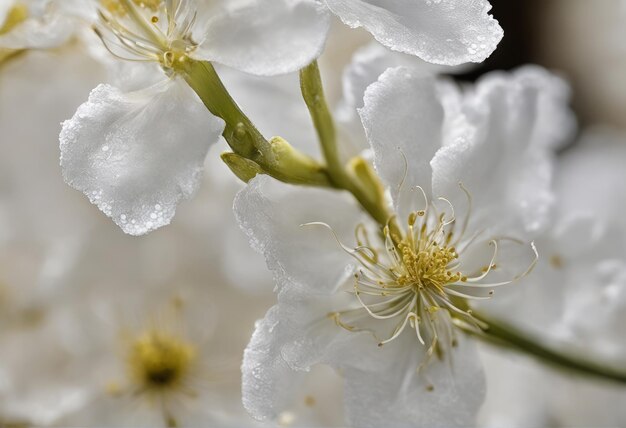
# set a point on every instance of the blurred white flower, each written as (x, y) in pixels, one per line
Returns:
(136, 155)
(43, 222)
(576, 298)
(423, 134)
(38, 24)
(446, 32)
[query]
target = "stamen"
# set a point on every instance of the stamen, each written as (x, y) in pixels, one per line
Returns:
(417, 278)
(143, 35)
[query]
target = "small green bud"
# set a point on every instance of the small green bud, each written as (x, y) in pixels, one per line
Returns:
(243, 168)
(292, 166)
(366, 177)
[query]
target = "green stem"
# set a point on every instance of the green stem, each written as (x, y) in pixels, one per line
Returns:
(313, 94)
(506, 336)
(275, 157)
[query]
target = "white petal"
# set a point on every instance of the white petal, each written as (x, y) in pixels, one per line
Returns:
(137, 155)
(272, 215)
(372, 60)
(268, 383)
(367, 64)
(399, 396)
(443, 32)
(507, 164)
(403, 119)
(591, 177)
(49, 30)
(294, 336)
(267, 37)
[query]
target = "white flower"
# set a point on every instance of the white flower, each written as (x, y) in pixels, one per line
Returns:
(446, 32)
(392, 334)
(136, 155)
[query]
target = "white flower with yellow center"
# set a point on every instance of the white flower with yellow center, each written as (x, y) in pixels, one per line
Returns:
(152, 360)
(137, 154)
(382, 309)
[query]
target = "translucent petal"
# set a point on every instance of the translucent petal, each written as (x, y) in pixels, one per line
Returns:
(136, 155)
(403, 119)
(507, 164)
(267, 37)
(272, 214)
(294, 336)
(402, 397)
(49, 30)
(591, 177)
(367, 64)
(443, 32)
(268, 383)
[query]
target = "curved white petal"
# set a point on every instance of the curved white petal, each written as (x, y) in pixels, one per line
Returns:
(137, 155)
(267, 37)
(446, 32)
(403, 119)
(294, 336)
(272, 214)
(268, 383)
(367, 64)
(401, 397)
(507, 164)
(372, 60)
(45, 29)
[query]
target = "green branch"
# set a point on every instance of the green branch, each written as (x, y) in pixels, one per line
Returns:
(252, 152)
(313, 93)
(506, 336)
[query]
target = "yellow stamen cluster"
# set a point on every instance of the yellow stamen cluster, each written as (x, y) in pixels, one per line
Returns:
(159, 362)
(149, 30)
(427, 266)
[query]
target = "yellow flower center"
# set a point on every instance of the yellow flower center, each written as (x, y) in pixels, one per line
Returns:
(160, 362)
(416, 278)
(148, 30)
(426, 264)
